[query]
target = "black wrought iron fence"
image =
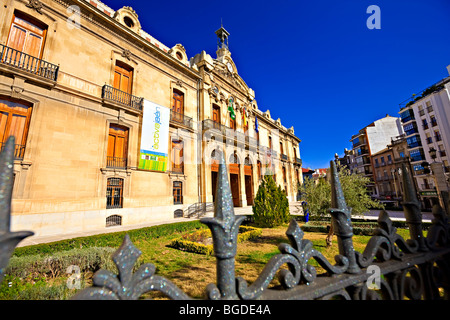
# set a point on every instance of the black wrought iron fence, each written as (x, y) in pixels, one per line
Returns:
(20, 60)
(390, 267)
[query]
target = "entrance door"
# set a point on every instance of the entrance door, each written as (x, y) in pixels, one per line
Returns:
(248, 184)
(213, 184)
(249, 190)
(234, 184)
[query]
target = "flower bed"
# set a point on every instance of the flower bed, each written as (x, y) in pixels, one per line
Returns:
(201, 241)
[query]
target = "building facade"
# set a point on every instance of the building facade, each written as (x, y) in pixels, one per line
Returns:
(371, 140)
(426, 122)
(73, 79)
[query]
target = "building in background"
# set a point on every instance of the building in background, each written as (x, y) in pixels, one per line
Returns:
(371, 140)
(75, 94)
(426, 123)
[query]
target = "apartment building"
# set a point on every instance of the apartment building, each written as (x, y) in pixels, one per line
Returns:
(78, 84)
(369, 141)
(426, 122)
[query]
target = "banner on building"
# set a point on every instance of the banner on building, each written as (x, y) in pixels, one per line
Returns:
(154, 137)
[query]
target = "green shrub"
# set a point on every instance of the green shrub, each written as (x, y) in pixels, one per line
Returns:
(271, 207)
(113, 240)
(55, 265)
(191, 242)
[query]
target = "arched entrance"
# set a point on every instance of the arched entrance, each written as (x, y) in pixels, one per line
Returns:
(248, 170)
(214, 172)
(234, 178)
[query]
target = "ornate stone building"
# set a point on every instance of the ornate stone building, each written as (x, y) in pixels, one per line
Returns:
(73, 79)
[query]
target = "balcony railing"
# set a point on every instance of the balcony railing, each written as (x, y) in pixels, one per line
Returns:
(284, 157)
(22, 61)
(180, 118)
(19, 150)
(298, 161)
(121, 97)
(116, 162)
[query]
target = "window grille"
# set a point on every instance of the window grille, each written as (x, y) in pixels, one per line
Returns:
(114, 220)
(177, 192)
(114, 193)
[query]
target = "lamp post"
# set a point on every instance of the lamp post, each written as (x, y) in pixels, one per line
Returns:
(440, 180)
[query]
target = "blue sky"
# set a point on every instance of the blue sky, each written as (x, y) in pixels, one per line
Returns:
(315, 64)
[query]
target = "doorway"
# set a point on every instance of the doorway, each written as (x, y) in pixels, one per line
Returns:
(234, 184)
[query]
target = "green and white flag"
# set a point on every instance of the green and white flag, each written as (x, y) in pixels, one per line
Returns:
(231, 109)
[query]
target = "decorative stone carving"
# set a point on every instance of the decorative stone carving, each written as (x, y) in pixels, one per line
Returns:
(36, 5)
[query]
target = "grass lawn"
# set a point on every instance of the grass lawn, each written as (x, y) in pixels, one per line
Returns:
(189, 271)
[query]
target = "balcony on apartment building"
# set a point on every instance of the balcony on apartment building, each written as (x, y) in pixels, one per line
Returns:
(27, 65)
(111, 95)
(407, 115)
(177, 118)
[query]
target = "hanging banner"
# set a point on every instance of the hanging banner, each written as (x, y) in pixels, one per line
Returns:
(154, 137)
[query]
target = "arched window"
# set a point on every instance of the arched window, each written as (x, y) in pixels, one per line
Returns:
(114, 220)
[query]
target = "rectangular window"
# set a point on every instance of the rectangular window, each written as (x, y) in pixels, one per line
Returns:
(14, 121)
(177, 192)
(177, 106)
(27, 35)
(117, 147)
(114, 193)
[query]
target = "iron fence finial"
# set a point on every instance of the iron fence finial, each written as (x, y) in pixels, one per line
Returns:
(342, 220)
(8, 239)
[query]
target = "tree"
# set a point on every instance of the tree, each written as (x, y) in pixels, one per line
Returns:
(271, 207)
(318, 195)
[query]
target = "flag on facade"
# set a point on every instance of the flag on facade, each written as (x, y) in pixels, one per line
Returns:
(244, 116)
(231, 109)
(256, 124)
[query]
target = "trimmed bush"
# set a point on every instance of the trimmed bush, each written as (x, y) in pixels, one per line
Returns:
(192, 242)
(271, 207)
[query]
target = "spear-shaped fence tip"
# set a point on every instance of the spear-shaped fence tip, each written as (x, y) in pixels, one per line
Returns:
(6, 183)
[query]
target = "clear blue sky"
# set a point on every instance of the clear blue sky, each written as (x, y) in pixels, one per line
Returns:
(315, 64)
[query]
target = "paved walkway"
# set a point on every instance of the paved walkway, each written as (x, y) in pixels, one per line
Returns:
(294, 207)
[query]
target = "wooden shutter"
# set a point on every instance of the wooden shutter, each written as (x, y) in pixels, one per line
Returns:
(27, 36)
(117, 146)
(123, 78)
(216, 114)
(14, 121)
(177, 156)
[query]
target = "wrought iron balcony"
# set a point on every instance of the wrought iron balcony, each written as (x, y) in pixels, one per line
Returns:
(284, 157)
(114, 95)
(116, 162)
(19, 150)
(21, 61)
(180, 118)
(298, 161)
